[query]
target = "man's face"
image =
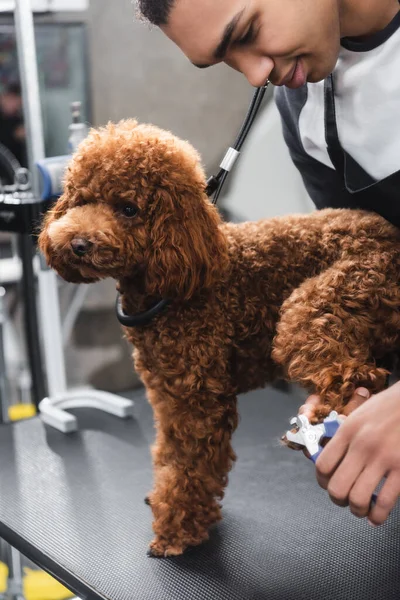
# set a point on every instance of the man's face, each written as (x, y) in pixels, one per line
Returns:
(288, 42)
(11, 104)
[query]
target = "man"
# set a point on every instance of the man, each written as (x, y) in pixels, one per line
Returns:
(12, 131)
(337, 67)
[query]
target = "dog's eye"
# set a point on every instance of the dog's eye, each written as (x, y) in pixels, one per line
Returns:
(128, 210)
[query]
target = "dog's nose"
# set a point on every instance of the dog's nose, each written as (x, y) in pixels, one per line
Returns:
(80, 246)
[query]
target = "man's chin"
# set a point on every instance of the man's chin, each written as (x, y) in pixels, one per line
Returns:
(316, 75)
(315, 78)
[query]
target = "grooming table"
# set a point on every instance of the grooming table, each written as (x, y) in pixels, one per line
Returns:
(75, 506)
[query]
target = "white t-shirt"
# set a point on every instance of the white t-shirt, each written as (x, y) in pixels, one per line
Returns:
(367, 102)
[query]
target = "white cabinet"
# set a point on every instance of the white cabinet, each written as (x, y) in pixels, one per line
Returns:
(48, 5)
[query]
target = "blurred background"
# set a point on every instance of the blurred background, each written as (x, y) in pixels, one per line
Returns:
(98, 53)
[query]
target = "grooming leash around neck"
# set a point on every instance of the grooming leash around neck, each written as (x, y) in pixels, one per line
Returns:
(141, 318)
(215, 182)
(214, 186)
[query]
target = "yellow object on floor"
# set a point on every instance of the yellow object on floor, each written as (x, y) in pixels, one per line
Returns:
(3, 577)
(17, 412)
(37, 585)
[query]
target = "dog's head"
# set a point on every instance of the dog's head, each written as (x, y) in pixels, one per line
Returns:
(134, 203)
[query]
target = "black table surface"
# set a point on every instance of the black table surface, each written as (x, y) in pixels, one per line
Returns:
(74, 505)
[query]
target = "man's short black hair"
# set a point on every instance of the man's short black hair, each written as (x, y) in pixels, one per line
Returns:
(13, 89)
(156, 11)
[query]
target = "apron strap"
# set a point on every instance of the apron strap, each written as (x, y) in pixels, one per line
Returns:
(363, 190)
(354, 177)
(331, 133)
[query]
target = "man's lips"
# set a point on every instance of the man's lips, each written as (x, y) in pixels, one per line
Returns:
(299, 77)
(289, 76)
(296, 76)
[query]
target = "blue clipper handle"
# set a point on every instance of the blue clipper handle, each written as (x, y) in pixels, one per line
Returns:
(331, 428)
(314, 457)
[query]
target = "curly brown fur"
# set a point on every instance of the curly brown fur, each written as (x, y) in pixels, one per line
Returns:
(314, 297)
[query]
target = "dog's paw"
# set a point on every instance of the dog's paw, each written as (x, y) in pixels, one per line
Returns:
(160, 548)
(315, 414)
(285, 442)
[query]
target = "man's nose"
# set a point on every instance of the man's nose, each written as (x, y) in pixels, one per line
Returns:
(256, 69)
(80, 246)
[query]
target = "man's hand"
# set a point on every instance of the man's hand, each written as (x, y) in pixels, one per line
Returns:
(365, 449)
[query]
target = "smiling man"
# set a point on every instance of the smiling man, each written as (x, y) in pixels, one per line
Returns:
(337, 65)
(342, 130)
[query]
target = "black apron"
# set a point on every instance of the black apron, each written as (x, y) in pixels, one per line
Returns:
(383, 196)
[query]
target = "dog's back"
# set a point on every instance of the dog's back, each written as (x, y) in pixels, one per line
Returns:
(271, 258)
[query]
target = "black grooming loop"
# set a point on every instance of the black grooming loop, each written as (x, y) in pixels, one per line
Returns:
(140, 318)
(216, 182)
(214, 186)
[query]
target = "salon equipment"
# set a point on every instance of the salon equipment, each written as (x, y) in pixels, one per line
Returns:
(20, 207)
(52, 172)
(20, 211)
(52, 407)
(77, 129)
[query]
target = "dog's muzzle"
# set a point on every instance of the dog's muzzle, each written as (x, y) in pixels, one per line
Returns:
(80, 246)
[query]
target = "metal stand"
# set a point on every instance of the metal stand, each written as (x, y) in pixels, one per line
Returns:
(15, 578)
(4, 387)
(14, 584)
(51, 407)
(53, 410)
(26, 253)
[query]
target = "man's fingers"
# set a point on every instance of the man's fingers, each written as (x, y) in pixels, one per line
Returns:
(331, 457)
(335, 451)
(308, 408)
(386, 500)
(313, 402)
(358, 398)
(363, 489)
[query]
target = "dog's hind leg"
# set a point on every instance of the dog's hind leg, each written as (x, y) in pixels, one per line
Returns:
(336, 325)
(192, 457)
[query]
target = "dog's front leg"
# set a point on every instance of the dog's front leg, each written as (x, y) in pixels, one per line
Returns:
(192, 456)
(334, 325)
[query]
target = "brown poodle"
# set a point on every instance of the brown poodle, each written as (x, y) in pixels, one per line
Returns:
(314, 298)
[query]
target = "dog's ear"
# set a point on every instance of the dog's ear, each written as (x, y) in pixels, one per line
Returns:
(59, 209)
(56, 212)
(187, 250)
